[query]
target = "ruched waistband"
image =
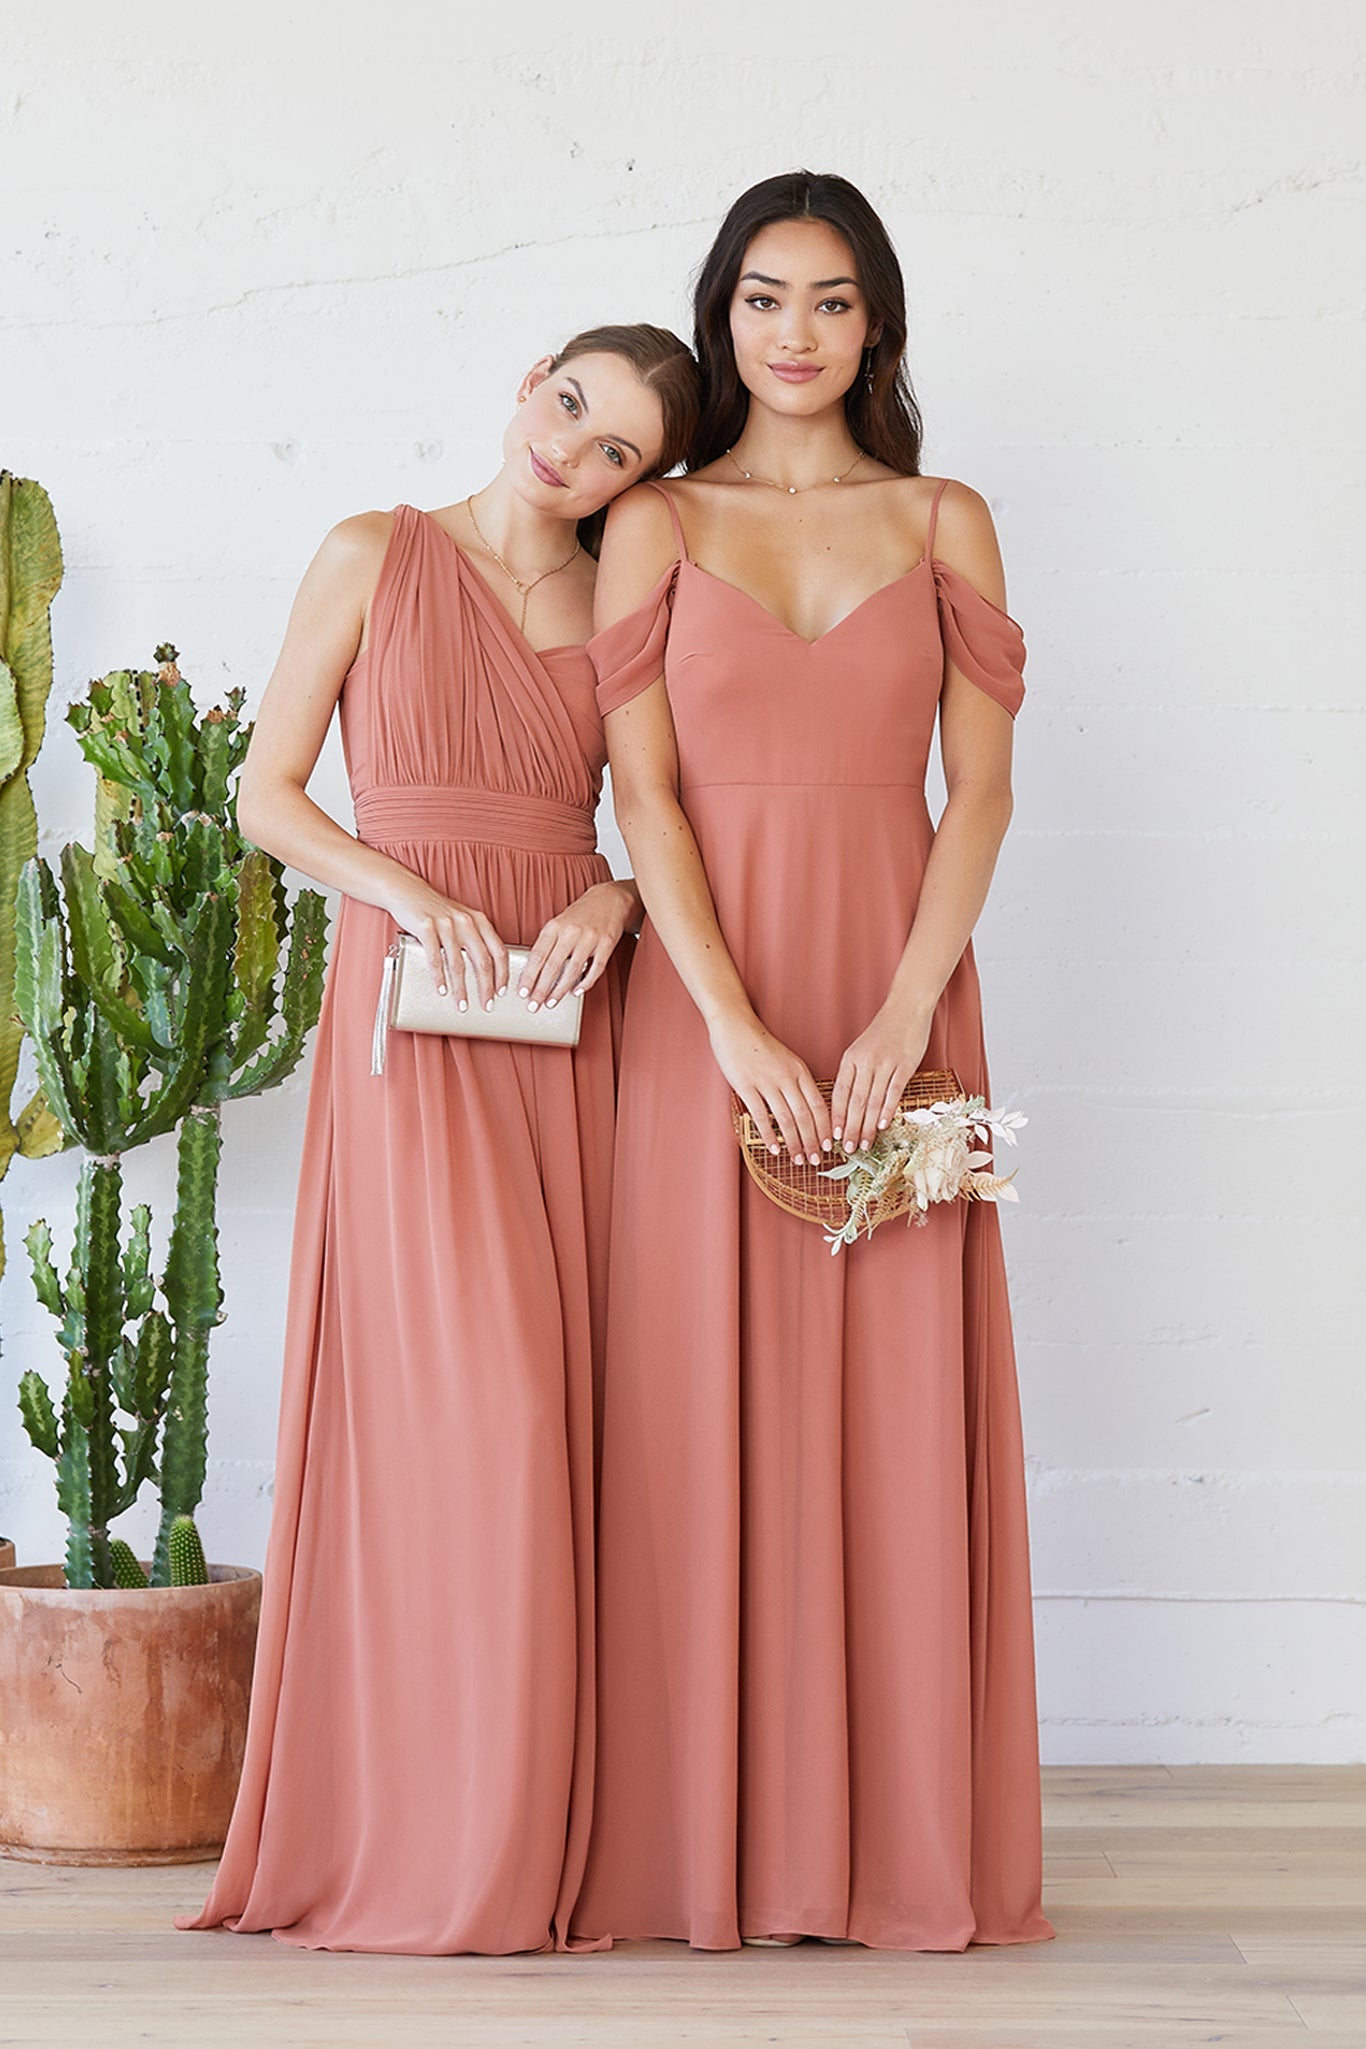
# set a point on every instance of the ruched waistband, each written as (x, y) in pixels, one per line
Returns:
(421, 811)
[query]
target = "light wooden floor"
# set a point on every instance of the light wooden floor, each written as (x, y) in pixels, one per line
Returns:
(1192, 1906)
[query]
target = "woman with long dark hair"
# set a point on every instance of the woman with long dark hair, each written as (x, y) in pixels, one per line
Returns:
(816, 1689)
(419, 1757)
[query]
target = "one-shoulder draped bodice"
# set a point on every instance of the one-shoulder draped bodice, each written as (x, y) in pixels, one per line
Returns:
(448, 693)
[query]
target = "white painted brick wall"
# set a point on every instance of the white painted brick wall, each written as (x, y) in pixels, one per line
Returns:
(263, 269)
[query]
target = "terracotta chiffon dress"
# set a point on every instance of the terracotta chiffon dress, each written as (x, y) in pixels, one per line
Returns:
(420, 1751)
(816, 1706)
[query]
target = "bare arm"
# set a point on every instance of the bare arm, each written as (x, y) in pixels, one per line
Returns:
(776, 1087)
(975, 739)
(326, 627)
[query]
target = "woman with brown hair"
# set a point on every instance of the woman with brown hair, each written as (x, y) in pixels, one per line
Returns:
(419, 1759)
(816, 1689)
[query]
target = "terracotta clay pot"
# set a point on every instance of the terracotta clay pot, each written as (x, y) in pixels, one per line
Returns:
(6, 1553)
(123, 1716)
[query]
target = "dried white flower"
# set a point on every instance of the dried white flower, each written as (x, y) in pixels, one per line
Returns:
(929, 1153)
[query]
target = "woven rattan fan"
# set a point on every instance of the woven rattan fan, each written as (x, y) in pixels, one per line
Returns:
(804, 1191)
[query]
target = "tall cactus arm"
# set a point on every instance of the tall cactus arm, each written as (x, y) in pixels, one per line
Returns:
(98, 1214)
(109, 1104)
(37, 1413)
(209, 966)
(300, 998)
(222, 750)
(73, 1498)
(194, 1299)
(256, 957)
(97, 955)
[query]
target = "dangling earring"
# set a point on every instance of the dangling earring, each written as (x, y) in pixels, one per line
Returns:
(868, 354)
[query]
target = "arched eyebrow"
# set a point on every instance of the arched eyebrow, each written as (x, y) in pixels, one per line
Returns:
(587, 409)
(822, 284)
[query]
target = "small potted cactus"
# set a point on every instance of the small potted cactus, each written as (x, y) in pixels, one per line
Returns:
(163, 975)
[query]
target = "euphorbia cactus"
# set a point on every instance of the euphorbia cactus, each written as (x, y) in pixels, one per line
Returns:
(164, 975)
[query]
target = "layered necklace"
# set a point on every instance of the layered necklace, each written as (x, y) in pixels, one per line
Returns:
(793, 490)
(523, 589)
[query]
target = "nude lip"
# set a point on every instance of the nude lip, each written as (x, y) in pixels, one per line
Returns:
(544, 471)
(795, 373)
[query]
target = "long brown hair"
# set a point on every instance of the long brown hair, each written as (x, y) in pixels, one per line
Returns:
(666, 365)
(879, 405)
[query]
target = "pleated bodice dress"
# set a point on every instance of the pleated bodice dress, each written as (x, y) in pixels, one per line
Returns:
(419, 1756)
(816, 1709)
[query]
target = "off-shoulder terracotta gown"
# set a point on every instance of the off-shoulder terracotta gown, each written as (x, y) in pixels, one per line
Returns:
(419, 1758)
(816, 1703)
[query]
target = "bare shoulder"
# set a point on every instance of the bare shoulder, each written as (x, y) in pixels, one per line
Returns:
(639, 532)
(356, 544)
(640, 515)
(638, 548)
(965, 536)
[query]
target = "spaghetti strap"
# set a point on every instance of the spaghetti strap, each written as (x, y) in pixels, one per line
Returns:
(668, 498)
(934, 519)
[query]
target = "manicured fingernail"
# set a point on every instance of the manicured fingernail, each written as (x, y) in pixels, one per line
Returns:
(462, 1005)
(489, 1004)
(825, 1145)
(533, 1006)
(521, 992)
(551, 1001)
(838, 1132)
(441, 989)
(775, 1148)
(504, 990)
(882, 1124)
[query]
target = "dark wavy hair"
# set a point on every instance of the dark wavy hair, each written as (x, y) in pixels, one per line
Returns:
(663, 363)
(880, 405)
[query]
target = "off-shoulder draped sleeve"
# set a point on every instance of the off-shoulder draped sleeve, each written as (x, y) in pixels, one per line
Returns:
(979, 638)
(628, 655)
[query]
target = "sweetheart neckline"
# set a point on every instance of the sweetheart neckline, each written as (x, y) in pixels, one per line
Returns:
(686, 561)
(932, 561)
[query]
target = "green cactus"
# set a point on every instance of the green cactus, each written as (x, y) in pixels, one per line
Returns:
(159, 974)
(101, 1463)
(126, 1569)
(194, 1300)
(30, 577)
(186, 1554)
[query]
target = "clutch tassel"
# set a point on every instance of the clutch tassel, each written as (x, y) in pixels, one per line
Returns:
(379, 1043)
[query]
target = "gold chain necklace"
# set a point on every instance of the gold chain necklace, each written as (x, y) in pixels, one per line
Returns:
(525, 589)
(792, 490)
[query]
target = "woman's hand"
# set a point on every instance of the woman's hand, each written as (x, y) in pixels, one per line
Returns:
(775, 1086)
(573, 949)
(459, 942)
(874, 1072)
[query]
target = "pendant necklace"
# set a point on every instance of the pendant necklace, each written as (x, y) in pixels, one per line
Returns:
(524, 589)
(793, 490)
